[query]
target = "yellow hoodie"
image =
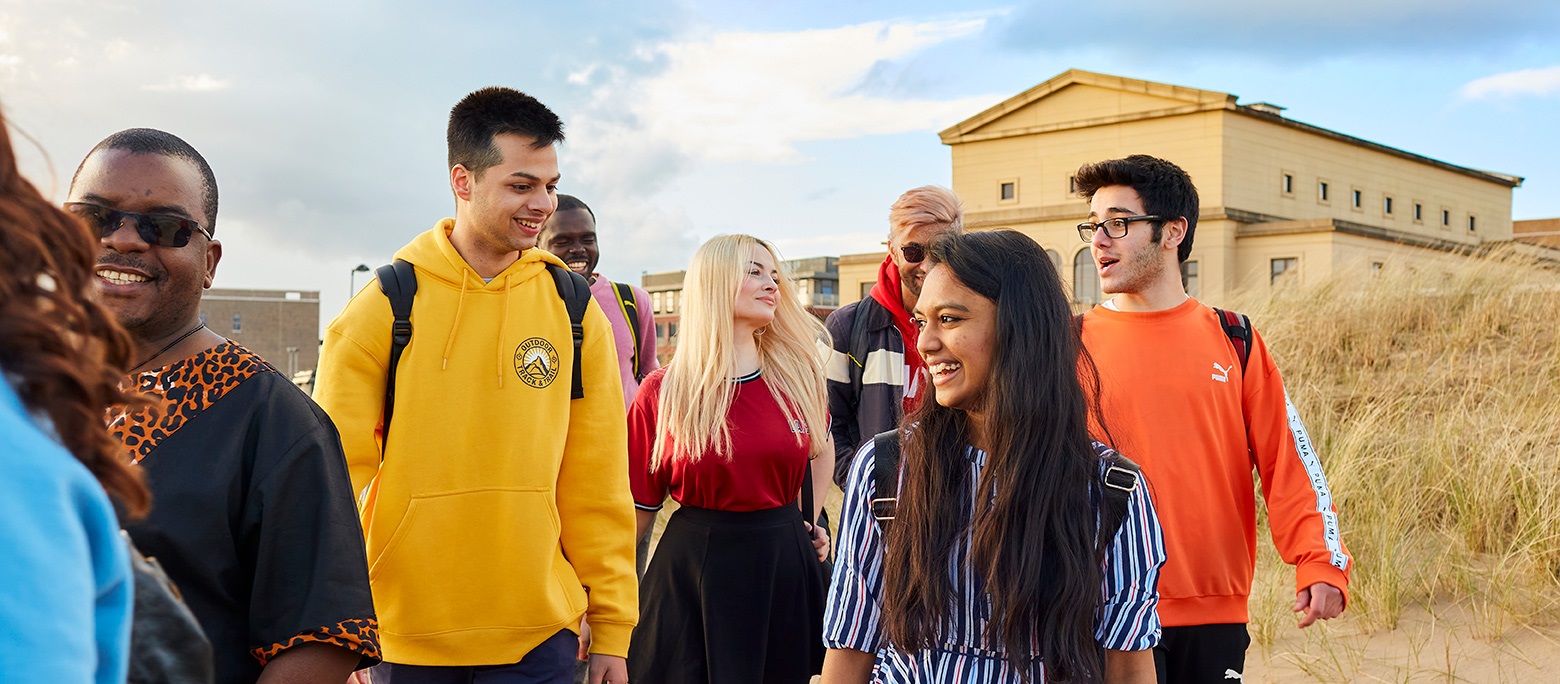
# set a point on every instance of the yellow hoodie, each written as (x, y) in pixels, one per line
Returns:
(500, 509)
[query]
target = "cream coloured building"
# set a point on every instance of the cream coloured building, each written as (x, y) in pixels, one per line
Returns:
(1279, 198)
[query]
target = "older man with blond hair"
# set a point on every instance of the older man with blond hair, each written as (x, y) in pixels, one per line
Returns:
(873, 379)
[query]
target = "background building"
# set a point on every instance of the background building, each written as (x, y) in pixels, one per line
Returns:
(817, 289)
(1279, 198)
(282, 326)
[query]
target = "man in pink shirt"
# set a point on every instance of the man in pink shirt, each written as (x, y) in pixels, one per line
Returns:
(571, 235)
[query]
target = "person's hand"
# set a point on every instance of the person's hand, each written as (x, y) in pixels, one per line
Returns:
(605, 669)
(820, 540)
(1320, 601)
(584, 652)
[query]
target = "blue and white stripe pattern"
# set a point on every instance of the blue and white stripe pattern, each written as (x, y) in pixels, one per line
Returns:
(1128, 621)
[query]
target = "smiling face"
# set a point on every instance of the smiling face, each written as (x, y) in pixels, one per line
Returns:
(958, 340)
(506, 204)
(571, 236)
(913, 274)
(759, 291)
(1135, 263)
(154, 291)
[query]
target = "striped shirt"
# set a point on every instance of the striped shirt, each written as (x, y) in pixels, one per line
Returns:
(1129, 592)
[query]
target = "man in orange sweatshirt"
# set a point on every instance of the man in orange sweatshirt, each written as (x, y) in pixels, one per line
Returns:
(1178, 397)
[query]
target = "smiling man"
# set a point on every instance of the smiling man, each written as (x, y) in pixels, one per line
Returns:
(1198, 410)
(496, 508)
(252, 508)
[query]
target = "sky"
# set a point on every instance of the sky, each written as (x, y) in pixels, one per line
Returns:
(799, 122)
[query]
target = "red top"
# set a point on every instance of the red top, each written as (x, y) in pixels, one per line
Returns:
(764, 470)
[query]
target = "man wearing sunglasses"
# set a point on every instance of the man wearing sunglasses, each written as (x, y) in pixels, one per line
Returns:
(872, 380)
(252, 513)
(1195, 398)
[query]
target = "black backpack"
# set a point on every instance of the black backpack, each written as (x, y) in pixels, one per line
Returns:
(630, 309)
(398, 281)
(1121, 479)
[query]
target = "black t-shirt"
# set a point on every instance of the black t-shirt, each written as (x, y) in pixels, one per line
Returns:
(252, 510)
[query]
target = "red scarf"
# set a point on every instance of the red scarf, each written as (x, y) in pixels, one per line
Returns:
(886, 292)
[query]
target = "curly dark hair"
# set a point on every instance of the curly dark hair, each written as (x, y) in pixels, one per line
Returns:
(64, 351)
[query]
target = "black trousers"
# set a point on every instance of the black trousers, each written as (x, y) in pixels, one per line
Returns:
(551, 662)
(1202, 653)
(730, 598)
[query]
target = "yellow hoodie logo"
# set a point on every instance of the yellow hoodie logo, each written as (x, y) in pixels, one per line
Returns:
(536, 362)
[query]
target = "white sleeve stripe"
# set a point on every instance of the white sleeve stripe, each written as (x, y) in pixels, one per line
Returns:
(1313, 470)
(884, 367)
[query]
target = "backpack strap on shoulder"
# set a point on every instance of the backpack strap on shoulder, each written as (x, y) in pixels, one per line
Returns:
(885, 474)
(575, 293)
(1238, 328)
(630, 309)
(398, 280)
(1122, 477)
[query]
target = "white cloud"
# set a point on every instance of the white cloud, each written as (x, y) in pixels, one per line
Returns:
(204, 83)
(1539, 81)
(744, 96)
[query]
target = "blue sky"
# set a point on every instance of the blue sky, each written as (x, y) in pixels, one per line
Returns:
(799, 122)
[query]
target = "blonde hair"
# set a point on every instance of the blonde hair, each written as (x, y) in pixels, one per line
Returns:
(928, 205)
(697, 392)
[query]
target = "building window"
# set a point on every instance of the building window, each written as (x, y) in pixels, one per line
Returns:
(1189, 277)
(1375, 268)
(1356, 198)
(1278, 267)
(1056, 259)
(660, 331)
(1086, 280)
(1008, 191)
(671, 301)
(1419, 212)
(866, 289)
(1386, 205)
(1289, 184)
(1072, 185)
(1321, 191)
(671, 330)
(1470, 223)
(655, 298)
(1446, 217)
(238, 323)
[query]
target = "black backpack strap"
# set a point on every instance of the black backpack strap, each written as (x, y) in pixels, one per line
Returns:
(575, 292)
(1122, 477)
(630, 309)
(398, 281)
(858, 346)
(1238, 328)
(885, 473)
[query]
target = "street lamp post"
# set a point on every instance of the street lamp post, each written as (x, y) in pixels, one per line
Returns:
(361, 268)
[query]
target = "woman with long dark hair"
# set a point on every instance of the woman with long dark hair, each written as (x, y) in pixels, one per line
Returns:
(65, 584)
(991, 568)
(734, 592)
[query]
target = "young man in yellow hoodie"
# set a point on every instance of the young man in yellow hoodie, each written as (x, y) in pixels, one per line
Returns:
(496, 510)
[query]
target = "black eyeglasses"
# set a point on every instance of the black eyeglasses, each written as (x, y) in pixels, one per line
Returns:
(1115, 228)
(165, 230)
(913, 252)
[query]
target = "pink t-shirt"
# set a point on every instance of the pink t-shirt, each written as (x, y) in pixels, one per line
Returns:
(608, 301)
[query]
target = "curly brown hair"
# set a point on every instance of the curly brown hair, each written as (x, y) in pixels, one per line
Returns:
(64, 351)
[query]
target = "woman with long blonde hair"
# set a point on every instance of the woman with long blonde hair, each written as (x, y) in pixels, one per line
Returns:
(734, 428)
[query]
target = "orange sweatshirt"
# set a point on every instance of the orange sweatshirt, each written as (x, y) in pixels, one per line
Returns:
(1176, 401)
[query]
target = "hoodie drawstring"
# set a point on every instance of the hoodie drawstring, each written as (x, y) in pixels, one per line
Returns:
(503, 330)
(459, 304)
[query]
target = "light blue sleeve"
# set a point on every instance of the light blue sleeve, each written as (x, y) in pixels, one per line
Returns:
(65, 589)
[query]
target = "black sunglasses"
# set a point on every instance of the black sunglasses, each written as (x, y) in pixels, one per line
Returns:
(165, 230)
(913, 252)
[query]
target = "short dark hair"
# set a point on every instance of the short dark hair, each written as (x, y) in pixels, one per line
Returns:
(493, 111)
(1166, 190)
(567, 202)
(153, 141)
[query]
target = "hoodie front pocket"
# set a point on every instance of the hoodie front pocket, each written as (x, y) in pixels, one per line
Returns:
(471, 559)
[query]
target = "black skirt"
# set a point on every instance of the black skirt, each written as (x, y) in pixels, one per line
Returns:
(730, 598)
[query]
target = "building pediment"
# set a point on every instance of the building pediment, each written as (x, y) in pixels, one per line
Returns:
(1083, 98)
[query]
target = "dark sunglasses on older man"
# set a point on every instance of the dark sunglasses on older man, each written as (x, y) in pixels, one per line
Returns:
(913, 252)
(165, 230)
